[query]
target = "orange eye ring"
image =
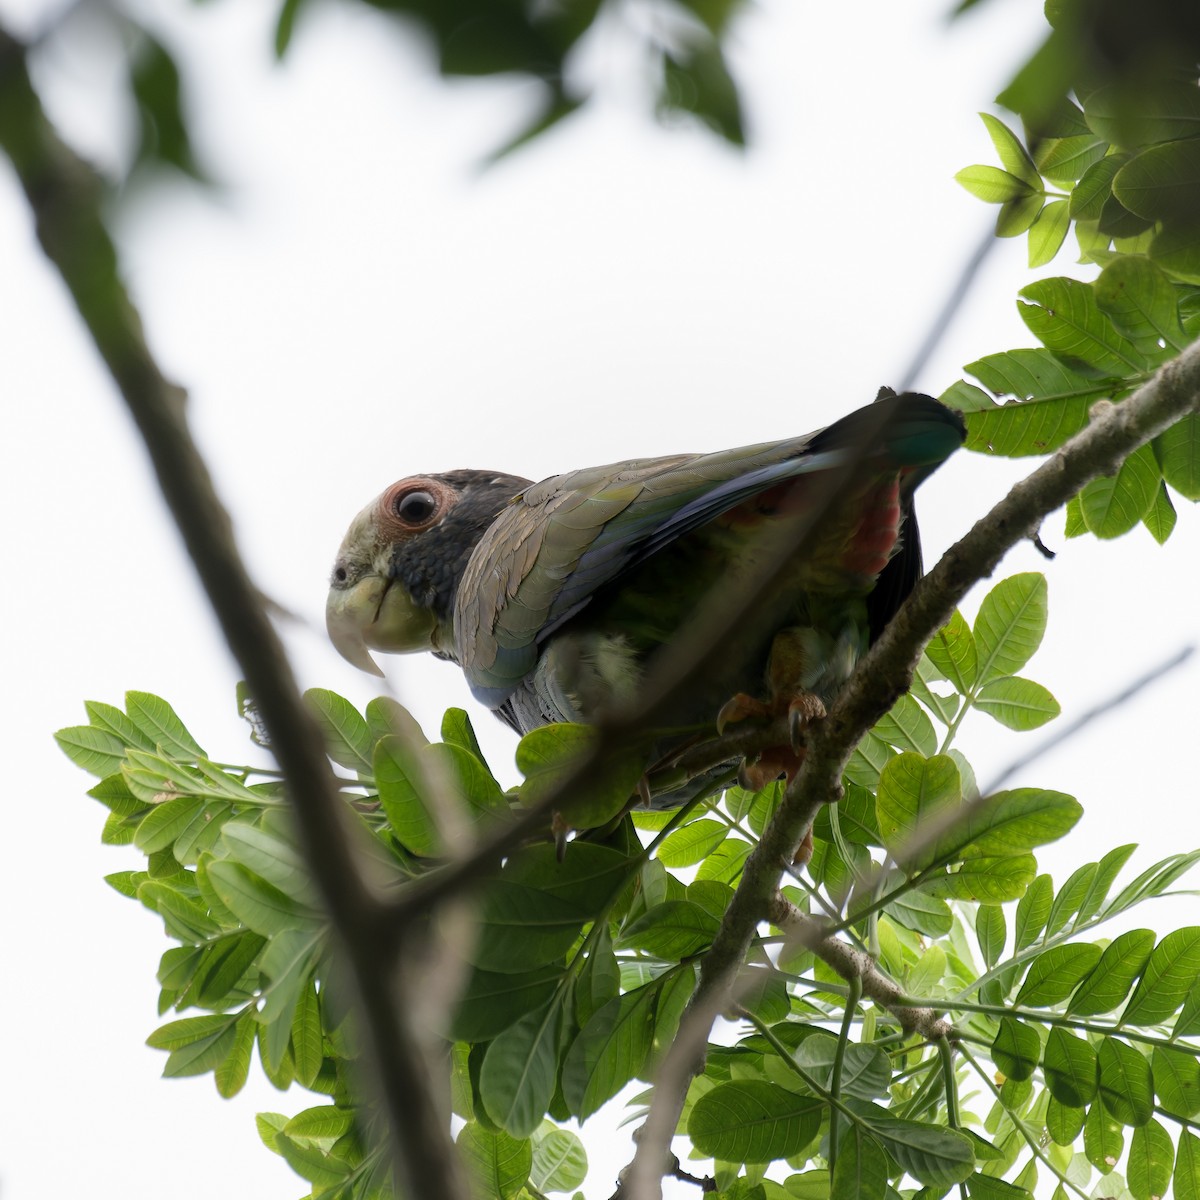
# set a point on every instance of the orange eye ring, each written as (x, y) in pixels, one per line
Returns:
(414, 505)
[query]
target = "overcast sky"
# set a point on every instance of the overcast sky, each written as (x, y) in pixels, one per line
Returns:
(360, 303)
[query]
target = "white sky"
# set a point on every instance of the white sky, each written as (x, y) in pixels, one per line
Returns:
(361, 304)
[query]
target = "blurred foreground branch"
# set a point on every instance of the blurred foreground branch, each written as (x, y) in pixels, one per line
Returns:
(64, 194)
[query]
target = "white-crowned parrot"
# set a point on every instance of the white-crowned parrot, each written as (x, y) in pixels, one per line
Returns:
(554, 597)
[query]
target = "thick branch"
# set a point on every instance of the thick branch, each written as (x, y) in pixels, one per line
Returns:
(885, 673)
(64, 194)
(851, 963)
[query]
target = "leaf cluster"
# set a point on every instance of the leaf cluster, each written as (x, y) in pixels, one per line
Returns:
(583, 963)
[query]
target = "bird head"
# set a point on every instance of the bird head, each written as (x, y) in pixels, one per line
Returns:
(397, 571)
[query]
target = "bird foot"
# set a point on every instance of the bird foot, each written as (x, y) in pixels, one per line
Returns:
(741, 707)
(803, 709)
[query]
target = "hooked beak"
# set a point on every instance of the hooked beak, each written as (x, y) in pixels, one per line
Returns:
(375, 615)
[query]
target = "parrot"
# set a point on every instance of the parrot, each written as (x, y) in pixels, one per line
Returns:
(555, 597)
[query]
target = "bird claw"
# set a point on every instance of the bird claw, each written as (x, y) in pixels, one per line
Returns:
(804, 709)
(740, 707)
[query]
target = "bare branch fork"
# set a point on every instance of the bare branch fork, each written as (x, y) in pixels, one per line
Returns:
(881, 677)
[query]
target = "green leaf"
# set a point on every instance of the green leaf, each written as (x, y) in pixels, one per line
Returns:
(1010, 624)
(1153, 881)
(913, 789)
(908, 728)
(1064, 315)
(930, 1153)
(1107, 869)
(1151, 1158)
(1070, 1069)
(753, 1122)
(517, 1080)
(1178, 451)
(1160, 520)
(987, 1187)
(991, 931)
(1176, 249)
(1126, 1088)
(925, 914)
(986, 880)
(1121, 963)
(862, 1167)
(1187, 1167)
(269, 857)
(402, 793)
(1067, 159)
(1103, 1139)
(1063, 1122)
(1016, 1049)
(1070, 896)
(672, 930)
(692, 843)
(1009, 823)
(533, 910)
(1017, 703)
(348, 740)
(1114, 504)
(495, 1000)
(310, 1162)
(599, 980)
(458, 731)
(386, 718)
(866, 1070)
(696, 80)
(323, 1121)
(1033, 909)
(1176, 1080)
(95, 750)
(160, 723)
(609, 1050)
(1094, 188)
(1142, 303)
(725, 862)
(952, 651)
(196, 1044)
(226, 963)
(1048, 232)
(1012, 152)
(256, 903)
(559, 1160)
(550, 755)
(1018, 215)
(308, 1038)
(1169, 110)
(992, 185)
(944, 708)
(1056, 972)
(497, 1163)
(1162, 181)
(113, 720)
(1173, 967)
(231, 1073)
(166, 822)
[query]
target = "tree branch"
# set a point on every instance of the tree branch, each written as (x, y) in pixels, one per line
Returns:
(64, 193)
(883, 675)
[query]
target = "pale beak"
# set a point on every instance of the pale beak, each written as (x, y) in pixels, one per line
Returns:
(376, 614)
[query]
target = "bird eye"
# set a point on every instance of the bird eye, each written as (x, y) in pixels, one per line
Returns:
(415, 508)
